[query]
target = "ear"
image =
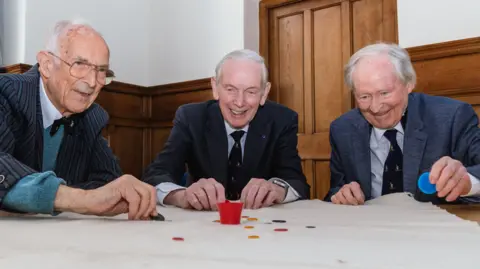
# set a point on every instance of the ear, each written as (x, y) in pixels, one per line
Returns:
(213, 83)
(410, 87)
(45, 63)
(265, 93)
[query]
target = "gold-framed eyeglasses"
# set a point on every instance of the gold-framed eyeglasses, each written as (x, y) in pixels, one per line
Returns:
(81, 68)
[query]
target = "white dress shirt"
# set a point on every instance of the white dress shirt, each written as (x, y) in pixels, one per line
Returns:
(49, 112)
(163, 189)
(379, 148)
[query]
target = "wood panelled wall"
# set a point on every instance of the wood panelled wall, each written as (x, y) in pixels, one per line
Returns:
(449, 69)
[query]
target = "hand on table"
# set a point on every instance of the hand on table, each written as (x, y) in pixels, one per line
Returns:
(349, 194)
(451, 178)
(261, 193)
(125, 194)
(201, 195)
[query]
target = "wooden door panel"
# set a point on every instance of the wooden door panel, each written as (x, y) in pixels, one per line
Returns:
(290, 90)
(328, 63)
(322, 178)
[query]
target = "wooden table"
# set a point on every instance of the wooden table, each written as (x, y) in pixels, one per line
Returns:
(467, 212)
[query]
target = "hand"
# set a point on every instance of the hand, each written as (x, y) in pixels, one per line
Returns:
(451, 178)
(261, 193)
(349, 194)
(201, 195)
(124, 194)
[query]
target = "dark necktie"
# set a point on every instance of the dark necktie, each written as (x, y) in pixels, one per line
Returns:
(393, 169)
(234, 165)
(68, 124)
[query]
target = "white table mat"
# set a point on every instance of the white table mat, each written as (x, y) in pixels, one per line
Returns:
(393, 231)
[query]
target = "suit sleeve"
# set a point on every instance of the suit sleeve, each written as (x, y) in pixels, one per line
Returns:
(169, 165)
(11, 170)
(287, 163)
(337, 175)
(103, 168)
(466, 142)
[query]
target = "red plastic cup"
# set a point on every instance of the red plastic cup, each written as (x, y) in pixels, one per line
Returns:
(230, 212)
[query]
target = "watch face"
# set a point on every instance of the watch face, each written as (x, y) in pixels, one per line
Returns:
(281, 184)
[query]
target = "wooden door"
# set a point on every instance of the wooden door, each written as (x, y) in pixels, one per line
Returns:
(306, 45)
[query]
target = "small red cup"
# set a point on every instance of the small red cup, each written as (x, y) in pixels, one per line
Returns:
(230, 212)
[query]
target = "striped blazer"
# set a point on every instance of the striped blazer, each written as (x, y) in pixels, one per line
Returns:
(84, 159)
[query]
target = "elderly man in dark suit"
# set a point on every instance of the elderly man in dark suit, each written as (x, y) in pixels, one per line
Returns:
(394, 135)
(53, 157)
(239, 146)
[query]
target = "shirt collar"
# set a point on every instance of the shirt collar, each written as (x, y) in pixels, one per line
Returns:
(380, 132)
(230, 129)
(49, 111)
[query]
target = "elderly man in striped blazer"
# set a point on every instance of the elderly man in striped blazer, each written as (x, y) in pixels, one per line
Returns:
(53, 157)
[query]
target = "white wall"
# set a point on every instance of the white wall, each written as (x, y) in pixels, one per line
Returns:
(423, 22)
(122, 22)
(1, 29)
(186, 43)
(251, 25)
(13, 33)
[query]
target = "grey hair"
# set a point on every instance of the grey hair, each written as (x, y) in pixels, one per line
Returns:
(243, 54)
(398, 57)
(61, 28)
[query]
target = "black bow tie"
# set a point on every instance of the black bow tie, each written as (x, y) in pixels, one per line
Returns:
(68, 124)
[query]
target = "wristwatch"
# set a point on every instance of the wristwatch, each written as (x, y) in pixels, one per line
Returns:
(280, 183)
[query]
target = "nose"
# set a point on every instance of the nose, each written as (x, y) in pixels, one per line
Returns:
(375, 106)
(91, 78)
(238, 101)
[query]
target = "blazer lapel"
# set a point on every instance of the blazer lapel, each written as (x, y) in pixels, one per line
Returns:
(414, 146)
(257, 137)
(361, 155)
(217, 144)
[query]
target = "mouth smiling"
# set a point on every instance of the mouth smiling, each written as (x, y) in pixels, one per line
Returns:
(238, 112)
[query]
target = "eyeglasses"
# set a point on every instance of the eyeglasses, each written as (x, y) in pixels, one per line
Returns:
(80, 69)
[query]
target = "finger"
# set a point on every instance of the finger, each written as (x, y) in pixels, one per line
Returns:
(357, 193)
(202, 197)
(269, 200)
(341, 198)
(447, 172)
(144, 195)
(120, 208)
(437, 169)
(133, 199)
(347, 193)
(457, 190)
(193, 201)
(152, 209)
(244, 194)
(452, 182)
(220, 192)
(211, 195)
(334, 199)
(263, 190)
(252, 193)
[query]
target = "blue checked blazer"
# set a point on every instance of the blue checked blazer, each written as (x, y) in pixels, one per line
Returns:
(436, 127)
